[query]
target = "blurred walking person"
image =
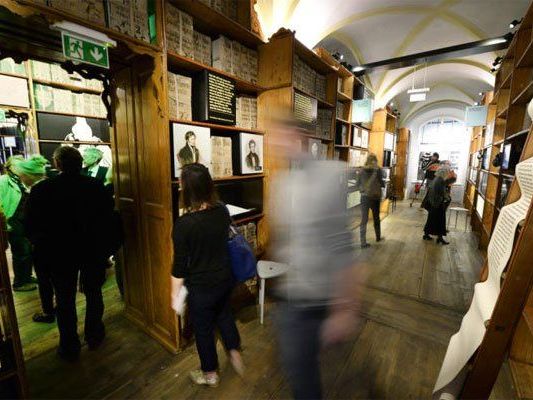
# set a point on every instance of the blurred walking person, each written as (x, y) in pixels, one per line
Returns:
(370, 182)
(436, 202)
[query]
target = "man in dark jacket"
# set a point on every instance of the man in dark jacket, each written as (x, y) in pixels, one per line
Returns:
(68, 220)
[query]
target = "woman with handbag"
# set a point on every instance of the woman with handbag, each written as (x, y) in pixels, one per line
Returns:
(370, 181)
(202, 264)
(436, 202)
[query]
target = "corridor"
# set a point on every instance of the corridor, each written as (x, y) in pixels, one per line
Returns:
(416, 294)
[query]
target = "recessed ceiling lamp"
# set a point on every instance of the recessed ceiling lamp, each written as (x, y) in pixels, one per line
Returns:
(514, 23)
(358, 69)
(480, 93)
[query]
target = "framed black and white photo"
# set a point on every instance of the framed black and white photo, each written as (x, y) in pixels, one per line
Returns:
(314, 148)
(251, 153)
(190, 144)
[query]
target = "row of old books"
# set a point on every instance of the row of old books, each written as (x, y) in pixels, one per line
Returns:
(246, 112)
(340, 110)
(9, 66)
(323, 122)
(224, 54)
(221, 159)
(249, 231)
(46, 72)
(130, 17)
(51, 99)
(179, 97)
(357, 158)
(308, 80)
(226, 7)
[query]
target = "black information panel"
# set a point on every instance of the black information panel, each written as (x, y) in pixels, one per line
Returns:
(214, 96)
(305, 110)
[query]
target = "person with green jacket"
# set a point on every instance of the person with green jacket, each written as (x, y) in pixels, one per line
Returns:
(20, 175)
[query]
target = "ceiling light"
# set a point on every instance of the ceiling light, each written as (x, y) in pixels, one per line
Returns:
(341, 57)
(420, 90)
(514, 23)
(416, 97)
(391, 104)
(358, 69)
(480, 93)
(476, 103)
(495, 41)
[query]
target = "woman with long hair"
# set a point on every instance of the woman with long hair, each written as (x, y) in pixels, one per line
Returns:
(202, 264)
(436, 202)
(370, 181)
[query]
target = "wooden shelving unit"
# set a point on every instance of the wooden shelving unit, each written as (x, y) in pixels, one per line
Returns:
(402, 156)
(508, 132)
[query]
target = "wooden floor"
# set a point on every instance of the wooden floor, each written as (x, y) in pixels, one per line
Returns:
(416, 295)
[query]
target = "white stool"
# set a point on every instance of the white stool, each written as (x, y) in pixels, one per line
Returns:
(458, 210)
(267, 270)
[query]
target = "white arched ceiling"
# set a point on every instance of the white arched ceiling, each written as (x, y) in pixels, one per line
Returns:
(374, 30)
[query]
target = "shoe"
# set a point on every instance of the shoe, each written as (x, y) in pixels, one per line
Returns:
(26, 287)
(442, 241)
(427, 237)
(365, 245)
(94, 344)
(199, 378)
(380, 239)
(70, 356)
(42, 317)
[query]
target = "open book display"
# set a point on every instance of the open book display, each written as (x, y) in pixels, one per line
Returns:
(465, 342)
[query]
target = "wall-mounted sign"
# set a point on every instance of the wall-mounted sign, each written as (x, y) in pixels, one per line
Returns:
(476, 116)
(214, 99)
(362, 110)
(85, 50)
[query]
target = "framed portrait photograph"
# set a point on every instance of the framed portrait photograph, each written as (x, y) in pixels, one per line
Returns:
(190, 144)
(314, 148)
(251, 153)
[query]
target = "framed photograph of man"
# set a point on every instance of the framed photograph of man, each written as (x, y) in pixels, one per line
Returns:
(251, 153)
(314, 148)
(190, 144)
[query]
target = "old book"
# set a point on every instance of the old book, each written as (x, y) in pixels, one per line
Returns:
(77, 103)
(237, 68)
(172, 96)
(173, 28)
(253, 113)
(222, 54)
(183, 97)
(202, 48)
(230, 9)
(41, 70)
(97, 106)
(216, 162)
(62, 101)
(44, 97)
(320, 86)
(119, 16)
(88, 10)
(340, 110)
(140, 20)
(227, 163)
(218, 5)
(187, 35)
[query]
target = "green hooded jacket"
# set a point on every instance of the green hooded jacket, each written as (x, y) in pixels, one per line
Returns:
(10, 196)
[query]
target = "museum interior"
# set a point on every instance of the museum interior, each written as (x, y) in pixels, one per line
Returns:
(415, 114)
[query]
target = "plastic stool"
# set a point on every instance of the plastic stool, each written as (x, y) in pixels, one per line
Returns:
(458, 210)
(267, 270)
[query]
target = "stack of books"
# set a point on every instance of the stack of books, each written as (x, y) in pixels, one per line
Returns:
(179, 97)
(235, 59)
(246, 112)
(180, 32)
(221, 158)
(323, 123)
(129, 17)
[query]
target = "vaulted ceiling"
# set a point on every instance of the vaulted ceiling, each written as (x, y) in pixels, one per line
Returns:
(374, 30)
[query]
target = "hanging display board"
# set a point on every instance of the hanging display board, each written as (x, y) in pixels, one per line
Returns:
(214, 98)
(476, 116)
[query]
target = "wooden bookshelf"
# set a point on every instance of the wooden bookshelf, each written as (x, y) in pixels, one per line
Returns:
(402, 157)
(66, 86)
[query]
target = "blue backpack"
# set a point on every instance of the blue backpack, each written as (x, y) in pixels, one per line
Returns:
(242, 258)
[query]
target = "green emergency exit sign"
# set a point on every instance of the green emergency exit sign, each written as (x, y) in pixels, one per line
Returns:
(84, 50)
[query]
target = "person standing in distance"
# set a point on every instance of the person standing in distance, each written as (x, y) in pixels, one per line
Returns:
(69, 221)
(370, 182)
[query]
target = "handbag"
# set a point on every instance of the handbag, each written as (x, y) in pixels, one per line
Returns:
(242, 258)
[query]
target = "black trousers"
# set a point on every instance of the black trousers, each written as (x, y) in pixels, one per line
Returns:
(21, 255)
(65, 284)
(366, 205)
(210, 308)
(298, 332)
(46, 288)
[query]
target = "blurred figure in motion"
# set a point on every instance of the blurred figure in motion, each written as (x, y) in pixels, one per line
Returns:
(310, 233)
(370, 182)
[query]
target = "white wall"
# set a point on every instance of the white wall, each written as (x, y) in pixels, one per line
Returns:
(451, 111)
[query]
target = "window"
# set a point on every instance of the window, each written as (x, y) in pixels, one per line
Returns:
(442, 130)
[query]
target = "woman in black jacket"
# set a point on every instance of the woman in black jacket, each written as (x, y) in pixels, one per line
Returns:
(370, 182)
(202, 264)
(436, 202)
